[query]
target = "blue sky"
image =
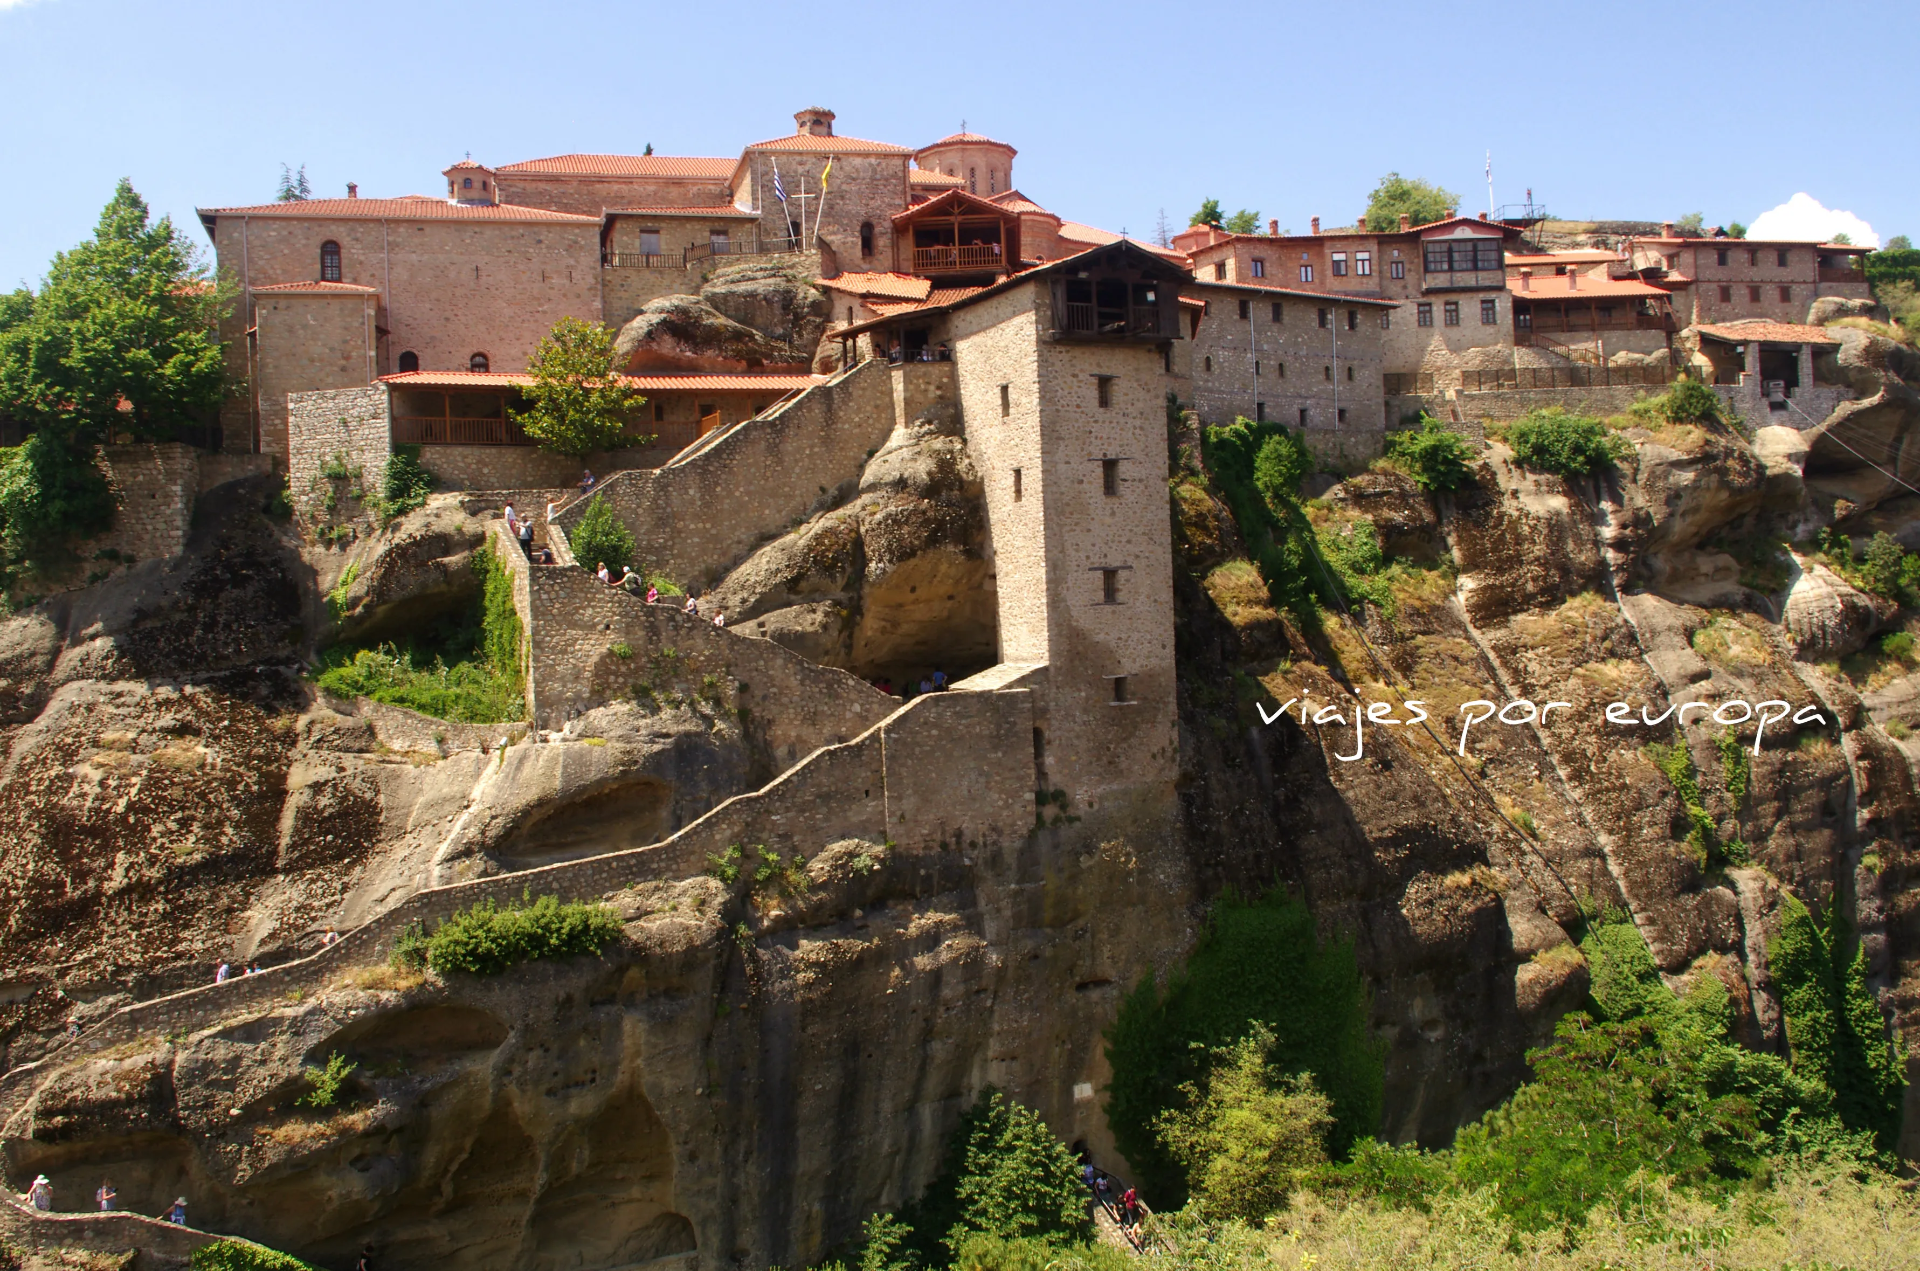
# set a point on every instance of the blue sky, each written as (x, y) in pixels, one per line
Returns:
(1118, 109)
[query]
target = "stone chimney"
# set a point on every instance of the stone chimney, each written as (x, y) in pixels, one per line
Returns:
(1573, 280)
(814, 121)
(1486, 216)
(1450, 213)
(1273, 229)
(1406, 222)
(353, 189)
(1316, 225)
(1666, 229)
(1526, 279)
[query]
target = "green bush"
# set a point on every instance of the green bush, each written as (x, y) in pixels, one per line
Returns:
(323, 1084)
(51, 492)
(1436, 457)
(1257, 962)
(1256, 469)
(1690, 402)
(404, 483)
(486, 939)
(599, 536)
(244, 1255)
(1898, 644)
(1551, 440)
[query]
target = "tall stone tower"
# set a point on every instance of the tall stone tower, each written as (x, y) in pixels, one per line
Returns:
(984, 164)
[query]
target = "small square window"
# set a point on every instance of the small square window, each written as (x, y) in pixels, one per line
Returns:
(1397, 268)
(1726, 293)
(1328, 372)
(1109, 586)
(1219, 269)
(1386, 319)
(1120, 697)
(1780, 257)
(1720, 257)
(1363, 264)
(1353, 319)
(1103, 390)
(1423, 314)
(1110, 478)
(1753, 295)
(1489, 312)
(1006, 401)
(1340, 416)
(1259, 268)
(1339, 264)
(1452, 311)
(1786, 293)
(1016, 485)
(1279, 313)
(1306, 273)
(1246, 310)
(1325, 316)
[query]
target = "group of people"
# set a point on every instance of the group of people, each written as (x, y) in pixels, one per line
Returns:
(223, 972)
(40, 1196)
(631, 582)
(522, 530)
(1126, 1206)
(934, 681)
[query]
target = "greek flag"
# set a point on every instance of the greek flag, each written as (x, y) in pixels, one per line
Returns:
(779, 191)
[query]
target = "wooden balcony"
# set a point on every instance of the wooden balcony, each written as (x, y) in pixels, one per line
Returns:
(1133, 320)
(1837, 273)
(430, 430)
(973, 258)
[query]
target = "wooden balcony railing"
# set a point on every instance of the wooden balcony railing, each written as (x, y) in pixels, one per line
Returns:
(1087, 319)
(1836, 273)
(931, 260)
(633, 260)
(430, 430)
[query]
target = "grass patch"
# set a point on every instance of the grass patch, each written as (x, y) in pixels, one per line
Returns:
(384, 979)
(487, 939)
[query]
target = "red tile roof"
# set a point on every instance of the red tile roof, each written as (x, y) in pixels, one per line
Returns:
(1723, 243)
(1592, 256)
(937, 298)
(744, 382)
(1075, 232)
(412, 208)
(1770, 332)
(1554, 287)
(939, 180)
(1014, 201)
(827, 145)
(318, 288)
(622, 165)
(727, 210)
(466, 163)
(903, 286)
(967, 139)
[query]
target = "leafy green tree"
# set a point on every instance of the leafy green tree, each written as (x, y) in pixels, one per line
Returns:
(1736, 230)
(50, 491)
(243, 1255)
(1899, 243)
(600, 536)
(293, 185)
(1015, 1178)
(1279, 467)
(1247, 1134)
(1209, 214)
(1397, 195)
(578, 404)
(1242, 222)
(1256, 962)
(1692, 225)
(1843, 237)
(1436, 457)
(1551, 440)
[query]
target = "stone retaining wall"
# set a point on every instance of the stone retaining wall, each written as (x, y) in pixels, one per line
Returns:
(695, 518)
(1511, 403)
(158, 1243)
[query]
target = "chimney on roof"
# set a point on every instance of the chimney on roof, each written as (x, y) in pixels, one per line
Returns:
(1406, 222)
(1273, 229)
(1486, 216)
(1573, 280)
(1316, 225)
(1526, 279)
(1666, 229)
(1450, 214)
(353, 190)
(814, 121)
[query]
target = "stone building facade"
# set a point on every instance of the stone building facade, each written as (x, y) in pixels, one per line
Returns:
(1731, 279)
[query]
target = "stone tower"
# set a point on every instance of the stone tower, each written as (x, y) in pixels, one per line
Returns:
(984, 164)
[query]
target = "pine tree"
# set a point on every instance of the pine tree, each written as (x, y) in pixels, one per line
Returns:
(293, 185)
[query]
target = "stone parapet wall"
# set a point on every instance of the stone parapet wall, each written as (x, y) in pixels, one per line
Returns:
(1808, 406)
(527, 467)
(158, 1243)
(350, 423)
(1505, 404)
(154, 484)
(897, 783)
(697, 517)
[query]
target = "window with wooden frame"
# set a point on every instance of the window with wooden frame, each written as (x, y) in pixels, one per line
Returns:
(1324, 315)
(1452, 312)
(1246, 310)
(1363, 264)
(1423, 314)
(478, 362)
(1726, 293)
(1259, 268)
(1782, 257)
(1489, 312)
(1339, 264)
(1109, 586)
(1786, 293)
(1397, 268)
(1219, 270)
(866, 238)
(1353, 319)
(329, 261)
(1306, 273)
(1753, 295)
(1110, 478)
(1279, 312)
(649, 242)
(1103, 390)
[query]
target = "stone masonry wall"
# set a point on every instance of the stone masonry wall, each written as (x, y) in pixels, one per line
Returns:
(896, 781)
(349, 422)
(527, 467)
(307, 342)
(1505, 404)
(155, 483)
(697, 517)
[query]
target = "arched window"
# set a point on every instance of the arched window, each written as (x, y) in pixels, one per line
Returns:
(409, 362)
(467, 183)
(478, 362)
(866, 238)
(329, 261)
(973, 180)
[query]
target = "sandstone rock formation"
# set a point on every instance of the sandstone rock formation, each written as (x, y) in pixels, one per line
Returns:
(746, 317)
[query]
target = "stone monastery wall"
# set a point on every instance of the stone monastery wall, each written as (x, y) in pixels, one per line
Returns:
(695, 518)
(156, 483)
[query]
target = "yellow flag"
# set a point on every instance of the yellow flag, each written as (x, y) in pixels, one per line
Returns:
(824, 174)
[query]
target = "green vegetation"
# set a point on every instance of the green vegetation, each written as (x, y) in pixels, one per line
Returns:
(1258, 965)
(1736, 230)
(1675, 761)
(244, 1255)
(293, 185)
(323, 1084)
(1552, 440)
(1397, 195)
(1436, 457)
(577, 404)
(487, 940)
(1688, 402)
(465, 668)
(404, 483)
(1692, 225)
(599, 536)
(118, 341)
(1884, 567)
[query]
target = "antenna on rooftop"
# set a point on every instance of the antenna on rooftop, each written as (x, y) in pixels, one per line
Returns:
(963, 124)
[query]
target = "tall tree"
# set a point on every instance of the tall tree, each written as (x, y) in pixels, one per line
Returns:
(579, 405)
(1242, 222)
(293, 185)
(1209, 214)
(1421, 200)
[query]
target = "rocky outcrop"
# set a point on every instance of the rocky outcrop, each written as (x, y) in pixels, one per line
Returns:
(1828, 617)
(895, 582)
(746, 317)
(778, 301)
(414, 571)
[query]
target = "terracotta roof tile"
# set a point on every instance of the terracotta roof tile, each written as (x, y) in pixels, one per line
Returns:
(937, 298)
(937, 180)
(827, 145)
(727, 210)
(967, 139)
(744, 382)
(903, 286)
(466, 163)
(1554, 287)
(1771, 332)
(318, 288)
(411, 208)
(1014, 201)
(622, 165)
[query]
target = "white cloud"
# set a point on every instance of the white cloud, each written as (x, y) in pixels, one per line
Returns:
(1803, 218)
(14, 4)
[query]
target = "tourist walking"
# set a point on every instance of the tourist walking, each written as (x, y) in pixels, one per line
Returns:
(525, 535)
(586, 480)
(105, 1196)
(40, 1194)
(1129, 1207)
(653, 594)
(221, 972)
(512, 519)
(178, 1214)
(602, 574)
